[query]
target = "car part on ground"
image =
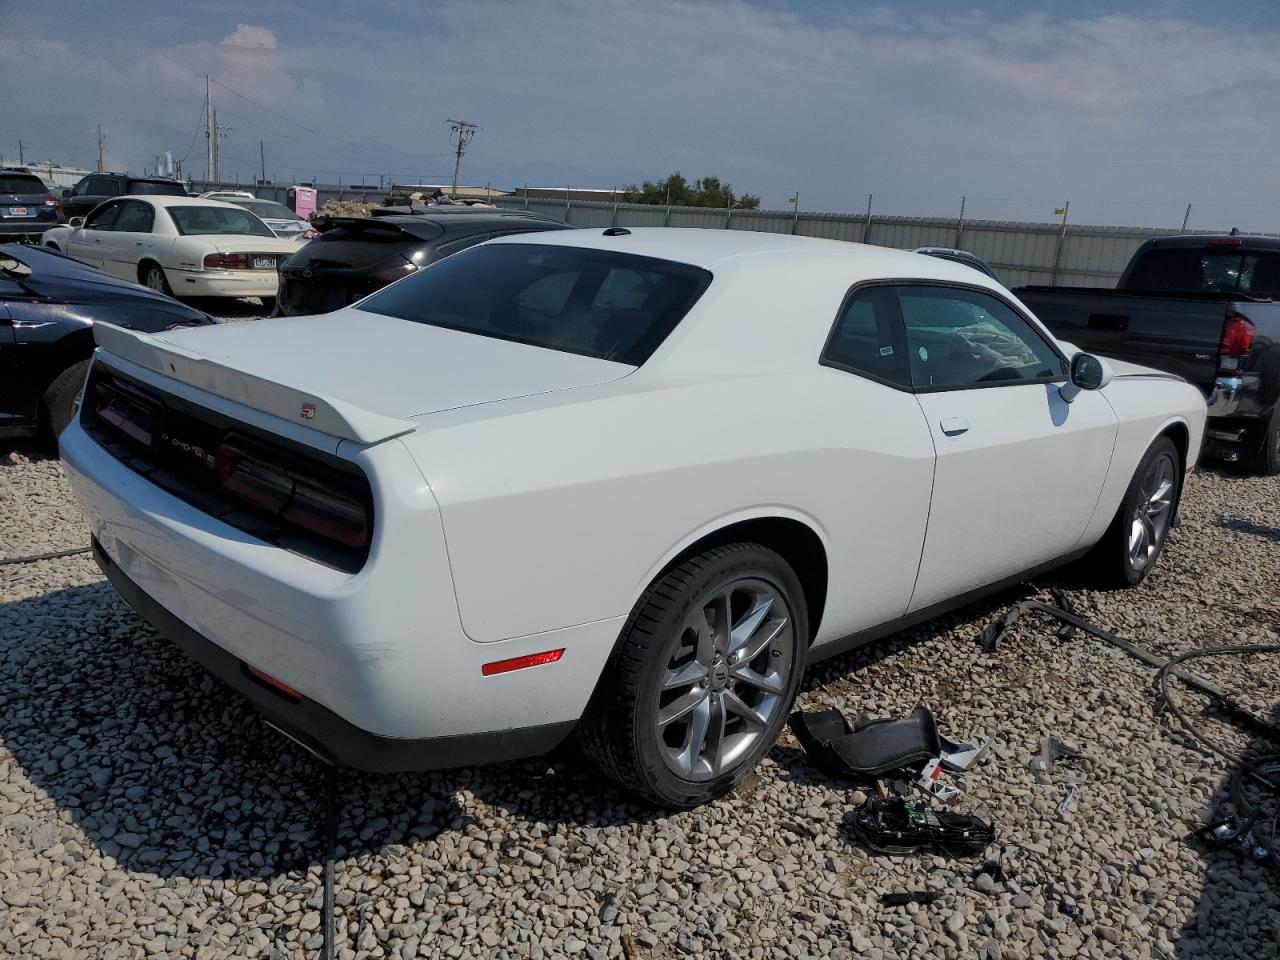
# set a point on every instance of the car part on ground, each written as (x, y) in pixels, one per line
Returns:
(354, 256)
(48, 305)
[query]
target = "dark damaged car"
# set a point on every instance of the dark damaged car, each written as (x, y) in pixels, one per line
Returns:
(48, 305)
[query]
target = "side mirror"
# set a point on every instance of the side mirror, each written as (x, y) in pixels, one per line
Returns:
(76, 223)
(1087, 373)
(66, 193)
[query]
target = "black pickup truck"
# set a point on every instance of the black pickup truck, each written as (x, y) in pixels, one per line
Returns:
(1204, 307)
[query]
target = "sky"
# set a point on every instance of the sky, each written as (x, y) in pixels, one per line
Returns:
(1129, 111)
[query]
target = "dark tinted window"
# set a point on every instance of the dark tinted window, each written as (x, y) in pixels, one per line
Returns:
(103, 217)
(964, 338)
(21, 183)
(156, 188)
(867, 337)
(203, 221)
(1222, 269)
(593, 302)
(103, 187)
(134, 218)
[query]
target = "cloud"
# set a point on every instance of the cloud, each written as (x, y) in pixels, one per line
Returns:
(1122, 115)
(247, 35)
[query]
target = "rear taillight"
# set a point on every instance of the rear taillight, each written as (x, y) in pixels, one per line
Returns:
(319, 504)
(1237, 341)
(228, 261)
(310, 233)
(52, 201)
(127, 417)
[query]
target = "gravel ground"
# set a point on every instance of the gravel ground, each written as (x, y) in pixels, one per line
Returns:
(143, 812)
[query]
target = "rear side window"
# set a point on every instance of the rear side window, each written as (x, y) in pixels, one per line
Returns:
(596, 303)
(154, 188)
(1209, 269)
(867, 338)
(134, 217)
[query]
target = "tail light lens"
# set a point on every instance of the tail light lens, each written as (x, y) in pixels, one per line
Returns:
(228, 261)
(1237, 341)
(52, 201)
(320, 504)
(310, 233)
(128, 417)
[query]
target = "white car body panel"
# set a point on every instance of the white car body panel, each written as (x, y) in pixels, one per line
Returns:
(525, 498)
(120, 252)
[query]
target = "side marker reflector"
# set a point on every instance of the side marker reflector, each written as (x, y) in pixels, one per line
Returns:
(277, 685)
(519, 663)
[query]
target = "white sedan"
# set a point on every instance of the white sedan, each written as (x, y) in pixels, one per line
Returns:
(623, 482)
(183, 246)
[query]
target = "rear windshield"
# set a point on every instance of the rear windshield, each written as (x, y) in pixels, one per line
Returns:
(21, 183)
(1211, 269)
(367, 231)
(156, 188)
(199, 221)
(612, 306)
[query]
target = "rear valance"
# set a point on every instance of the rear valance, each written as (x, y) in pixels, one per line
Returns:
(328, 415)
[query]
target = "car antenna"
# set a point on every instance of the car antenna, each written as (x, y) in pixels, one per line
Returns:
(617, 232)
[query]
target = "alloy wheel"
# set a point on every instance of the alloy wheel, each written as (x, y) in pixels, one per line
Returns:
(1151, 515)
(726, 678)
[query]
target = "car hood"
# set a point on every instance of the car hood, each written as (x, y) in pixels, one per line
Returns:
(379, 365)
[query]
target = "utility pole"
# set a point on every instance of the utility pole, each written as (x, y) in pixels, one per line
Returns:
(1185, 217)
(461, 133)
(208, 131)
(21, 159)
(217, 149)
(100, 143)
(262, 152)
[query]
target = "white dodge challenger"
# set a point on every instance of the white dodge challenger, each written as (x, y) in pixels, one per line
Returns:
(623, 483)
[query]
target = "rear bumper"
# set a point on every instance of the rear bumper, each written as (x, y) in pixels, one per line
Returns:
(224, 283)
(319, 730)
(9, 229)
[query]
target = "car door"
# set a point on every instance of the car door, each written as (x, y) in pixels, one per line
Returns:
(1018, 469)
(880, 465)
(90, 242)
(124, 244)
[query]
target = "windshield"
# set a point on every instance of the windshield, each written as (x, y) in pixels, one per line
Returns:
(202, 221)
(267, 209)
(21, 183)
(156, 188)
(596, 303)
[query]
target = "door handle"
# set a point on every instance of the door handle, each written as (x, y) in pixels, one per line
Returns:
(954, 426)
(137, 243)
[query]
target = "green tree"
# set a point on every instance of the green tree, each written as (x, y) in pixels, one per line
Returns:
(679, 192)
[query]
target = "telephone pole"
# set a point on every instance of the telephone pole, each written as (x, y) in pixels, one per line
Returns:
(21, 159)
(208, 130)
(262, 152)
(461, 133)
(217, 149)
(101, 141)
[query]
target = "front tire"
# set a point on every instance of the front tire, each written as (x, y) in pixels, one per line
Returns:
(1129, 549)
(703, 677)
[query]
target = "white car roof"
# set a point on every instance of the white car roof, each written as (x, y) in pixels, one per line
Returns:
(183, 202)
(708, 248)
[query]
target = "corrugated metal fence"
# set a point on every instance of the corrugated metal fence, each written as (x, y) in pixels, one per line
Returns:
(1022, 253)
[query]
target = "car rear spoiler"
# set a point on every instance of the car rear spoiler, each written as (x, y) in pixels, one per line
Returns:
(328, 415)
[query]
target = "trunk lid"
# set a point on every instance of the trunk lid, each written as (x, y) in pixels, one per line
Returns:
(351, 374)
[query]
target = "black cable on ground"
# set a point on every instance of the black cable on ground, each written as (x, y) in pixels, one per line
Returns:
(331, 845)
(53, 555)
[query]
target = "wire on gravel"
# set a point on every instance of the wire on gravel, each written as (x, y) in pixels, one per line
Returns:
(52, 555)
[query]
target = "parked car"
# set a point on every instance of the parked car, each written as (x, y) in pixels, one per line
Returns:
(27, 208)
(97, 187)
(354, 256)
(48, 306)
(282, 221)
(624, 481)
(183, 246)
(1203, 307)
(959, 256)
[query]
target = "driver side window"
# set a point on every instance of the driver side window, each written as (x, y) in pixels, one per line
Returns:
(103, 218)
(958, 339)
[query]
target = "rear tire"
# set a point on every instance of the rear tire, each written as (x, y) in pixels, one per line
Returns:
(1267, 460)
(152, 276)
(1128, 551)
(687, 706)
(269, 306)
(57, 406)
